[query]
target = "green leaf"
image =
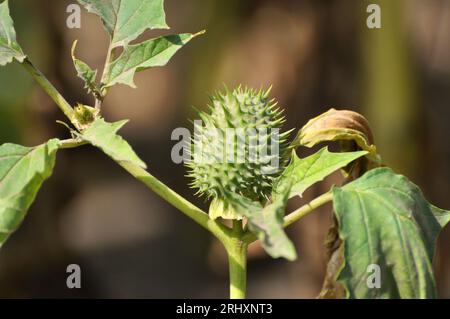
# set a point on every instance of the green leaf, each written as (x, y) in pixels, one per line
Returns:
(85, 72)
(305, 172)
(9, 48)
(385, 220)
(142, 56)
(267, 223)
(22, 172)
(125, 20)
(103, 135)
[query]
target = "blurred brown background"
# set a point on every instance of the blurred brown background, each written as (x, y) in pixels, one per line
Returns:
(317, 54)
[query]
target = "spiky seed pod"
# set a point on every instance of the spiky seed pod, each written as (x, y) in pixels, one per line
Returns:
(238, 147)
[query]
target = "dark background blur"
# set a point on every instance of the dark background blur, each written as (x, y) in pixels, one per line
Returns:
(317, 55)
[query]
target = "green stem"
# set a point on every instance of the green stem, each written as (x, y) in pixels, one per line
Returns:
(109, 57)
(237, 261)
(71, 143)
(104, 91)
(50, 90)
(308, 208)
(219, 230)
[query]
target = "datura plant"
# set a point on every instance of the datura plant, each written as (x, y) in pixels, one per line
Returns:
(381, 219)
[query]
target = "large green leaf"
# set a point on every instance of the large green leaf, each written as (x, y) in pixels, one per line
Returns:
(9, 48)
(267, 223)
(385, 220)
(305, 172)
(22, 172)
(139, 57)
(125, 20)
(104, 136)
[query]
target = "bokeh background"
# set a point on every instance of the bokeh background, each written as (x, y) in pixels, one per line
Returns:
(317, 54)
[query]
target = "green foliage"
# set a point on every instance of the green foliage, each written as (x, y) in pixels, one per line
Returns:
(266, 223)
(382, 217)
(305, 172)
(125, 20)
(22, 172)
(104, 136)
(142, 56)
(385, 220)
(9, 48)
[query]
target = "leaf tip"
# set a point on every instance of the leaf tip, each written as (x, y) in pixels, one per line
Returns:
(291, 255)
(199, 33)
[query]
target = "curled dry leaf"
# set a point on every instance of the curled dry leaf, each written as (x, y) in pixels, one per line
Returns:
(348, 127)
(334, 253)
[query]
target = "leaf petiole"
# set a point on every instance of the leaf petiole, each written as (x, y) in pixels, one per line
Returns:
(308, 208)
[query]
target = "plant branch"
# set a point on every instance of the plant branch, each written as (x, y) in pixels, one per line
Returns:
(50, 90)
(308, 208)
(222, 232)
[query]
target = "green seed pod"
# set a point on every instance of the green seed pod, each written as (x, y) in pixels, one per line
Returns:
(238, 147)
